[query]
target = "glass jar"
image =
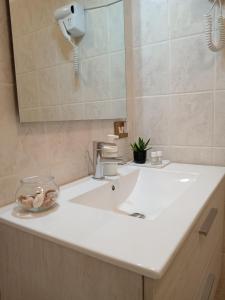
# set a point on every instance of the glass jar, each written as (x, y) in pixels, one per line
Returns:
(154, 158)
(160, 157)
(37, 193)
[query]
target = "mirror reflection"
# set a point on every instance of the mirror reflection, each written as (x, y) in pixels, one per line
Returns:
(69, 59)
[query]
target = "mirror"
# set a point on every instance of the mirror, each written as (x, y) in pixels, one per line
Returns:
(58, 79)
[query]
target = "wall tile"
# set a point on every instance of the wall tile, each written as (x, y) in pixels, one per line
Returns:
(3, 16)
(100, 129)
(63, 50)
(118, 109)
(47, 54)
(96, 110)
(191, 65)
(152, 119)
(191, 119)
(21, 19)
(56, 135)
(220, 70)
(28, 16)
(219, 156)
(5, 54)
(115, 15)
(68, 141)
(27, 86)
(69, 84)
(6, 75)
(186, 17)
(66, 171)
(95, 78)
(150, 21)
(195, 122)
(24, 54)
(219, 119)
(8, 186)
(30, 115)
(69, 111)
(117, 75)
(31, 150)
(8, 130)
(47, 87)
(41, 13)
(51, 113)
(151, 72)
(100, 110)
(191, 155)
(95, 41)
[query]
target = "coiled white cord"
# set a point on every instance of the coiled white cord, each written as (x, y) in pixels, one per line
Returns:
(220, 44)
(76, 58)
(75, 55)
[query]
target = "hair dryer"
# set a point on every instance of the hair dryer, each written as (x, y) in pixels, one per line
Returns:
(71, 21)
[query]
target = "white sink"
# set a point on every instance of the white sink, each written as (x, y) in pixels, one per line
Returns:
(147, 192)
(93, 218)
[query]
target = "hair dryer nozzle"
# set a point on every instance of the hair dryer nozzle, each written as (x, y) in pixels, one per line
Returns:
(62, 12)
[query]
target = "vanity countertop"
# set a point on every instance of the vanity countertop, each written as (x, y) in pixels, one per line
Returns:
(143, 246)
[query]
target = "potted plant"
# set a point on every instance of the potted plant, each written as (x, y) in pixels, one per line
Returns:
(140, 149)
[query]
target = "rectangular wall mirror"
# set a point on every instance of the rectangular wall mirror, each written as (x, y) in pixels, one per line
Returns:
(69, 59)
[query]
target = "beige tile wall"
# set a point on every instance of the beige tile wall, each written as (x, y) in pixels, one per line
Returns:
(179, 83)
(53, 148)
(48, 89)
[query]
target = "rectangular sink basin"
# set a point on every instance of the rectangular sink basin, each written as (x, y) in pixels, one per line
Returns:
(141, 192)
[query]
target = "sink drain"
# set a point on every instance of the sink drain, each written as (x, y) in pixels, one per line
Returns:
(138, 215)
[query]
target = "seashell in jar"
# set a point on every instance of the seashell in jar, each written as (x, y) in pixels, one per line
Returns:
(21, 198)
(50, 198)
(48, 202)
(26, 201)
(38, 200)
(51, 194)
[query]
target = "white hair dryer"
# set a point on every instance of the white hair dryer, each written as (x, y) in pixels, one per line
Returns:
(71, 21)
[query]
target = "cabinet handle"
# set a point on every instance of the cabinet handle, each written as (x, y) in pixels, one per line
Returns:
(205, 228)
(208, 288)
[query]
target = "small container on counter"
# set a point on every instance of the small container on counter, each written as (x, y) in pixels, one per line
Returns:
(160, 156)
(156, 157)
(37, 193)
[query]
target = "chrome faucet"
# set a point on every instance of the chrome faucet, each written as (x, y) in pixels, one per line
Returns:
(99, 158)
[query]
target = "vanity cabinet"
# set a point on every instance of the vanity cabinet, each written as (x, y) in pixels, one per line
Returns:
(195, 270)
(32, 267)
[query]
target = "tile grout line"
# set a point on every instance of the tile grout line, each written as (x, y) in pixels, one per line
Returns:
(158, 43)
(177, 94)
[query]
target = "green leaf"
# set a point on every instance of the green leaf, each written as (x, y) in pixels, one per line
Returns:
(140, 145)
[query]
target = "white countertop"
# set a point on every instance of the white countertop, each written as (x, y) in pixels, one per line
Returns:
(144, 246)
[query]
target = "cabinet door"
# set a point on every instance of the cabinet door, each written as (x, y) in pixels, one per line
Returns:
(209, 283)
(37, 269)
(185, 274)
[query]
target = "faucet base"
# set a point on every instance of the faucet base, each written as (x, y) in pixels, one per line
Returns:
(98, 178)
